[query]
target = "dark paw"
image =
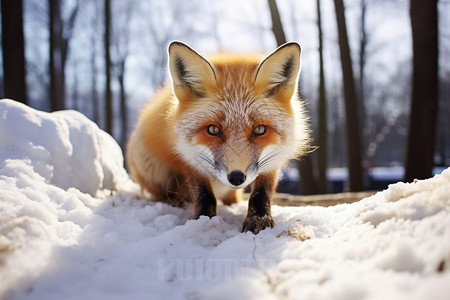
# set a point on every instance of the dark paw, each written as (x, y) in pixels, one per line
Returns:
(256, 224)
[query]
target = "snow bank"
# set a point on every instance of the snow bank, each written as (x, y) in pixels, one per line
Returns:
(59, 240)
(64, 148)
(51, 167)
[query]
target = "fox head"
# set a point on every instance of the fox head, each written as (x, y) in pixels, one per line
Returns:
(237, 116)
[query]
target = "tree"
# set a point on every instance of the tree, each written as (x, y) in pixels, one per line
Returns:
(55, 56)
(364, 36)
(322, 135)
(60, 33)
(422, 122)
(107, 43)
(14, 74)
(93, 62)
(121, 41)
(277, 27)
(305, 167)
(351, 105)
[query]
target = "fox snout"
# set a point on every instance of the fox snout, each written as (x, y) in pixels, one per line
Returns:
(236, 178)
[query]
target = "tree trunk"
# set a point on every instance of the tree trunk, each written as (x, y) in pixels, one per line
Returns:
(14, 71)
(120, 50)
(123, 105)
(94, 94)
(56, 92)
(307, 184)
(60, 33)
(362, 56)
(422, 122)
(108, 92)
(351, 104)
(76, 104)
(362, 70)
(96, 117)
(322, 151)
(277, 27)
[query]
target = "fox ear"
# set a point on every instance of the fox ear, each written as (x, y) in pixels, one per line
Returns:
(190, 72)
(280, 69)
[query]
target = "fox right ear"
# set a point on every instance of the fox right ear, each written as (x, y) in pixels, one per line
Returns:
(278, 72)
(190, 72)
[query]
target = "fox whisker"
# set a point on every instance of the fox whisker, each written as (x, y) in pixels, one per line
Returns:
(268, 159)
(209, 161)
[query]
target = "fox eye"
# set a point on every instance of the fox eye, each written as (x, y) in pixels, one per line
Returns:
(259, 130)
(214, 130)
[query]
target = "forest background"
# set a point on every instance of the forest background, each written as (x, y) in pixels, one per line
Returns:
(375, 74)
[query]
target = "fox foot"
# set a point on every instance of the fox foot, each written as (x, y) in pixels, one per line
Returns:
(255, 224)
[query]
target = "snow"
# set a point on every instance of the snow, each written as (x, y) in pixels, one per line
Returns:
(74, 226)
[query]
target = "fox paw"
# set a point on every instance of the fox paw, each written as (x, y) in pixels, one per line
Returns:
(255, 224)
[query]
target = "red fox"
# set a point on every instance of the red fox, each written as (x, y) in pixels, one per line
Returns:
(226, 123)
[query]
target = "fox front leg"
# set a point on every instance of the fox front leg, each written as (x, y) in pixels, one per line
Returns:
(205, 203)
(258, 215)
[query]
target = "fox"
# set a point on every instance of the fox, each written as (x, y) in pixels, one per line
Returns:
(223, 123)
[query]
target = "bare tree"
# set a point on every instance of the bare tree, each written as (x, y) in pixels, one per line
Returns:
(277, 27)
(60, 35)
(107, 43)
(55, 56)
(322, 134)
(14, 74)
(305, 167)
(422, 122)
(364, 36)
(121, 41)
(75, 96)
(366, 119)
(351, 104)
(93, 63)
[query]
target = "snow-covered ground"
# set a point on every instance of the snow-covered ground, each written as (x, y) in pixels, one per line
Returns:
(73, 226)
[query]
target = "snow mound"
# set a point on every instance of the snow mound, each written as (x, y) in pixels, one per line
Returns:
(64, 148)
(60, 240)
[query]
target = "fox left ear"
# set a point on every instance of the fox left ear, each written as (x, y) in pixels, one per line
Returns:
(190, 72)
(279, 70)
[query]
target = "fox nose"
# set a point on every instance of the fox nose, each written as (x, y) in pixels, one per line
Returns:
(236, 178)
